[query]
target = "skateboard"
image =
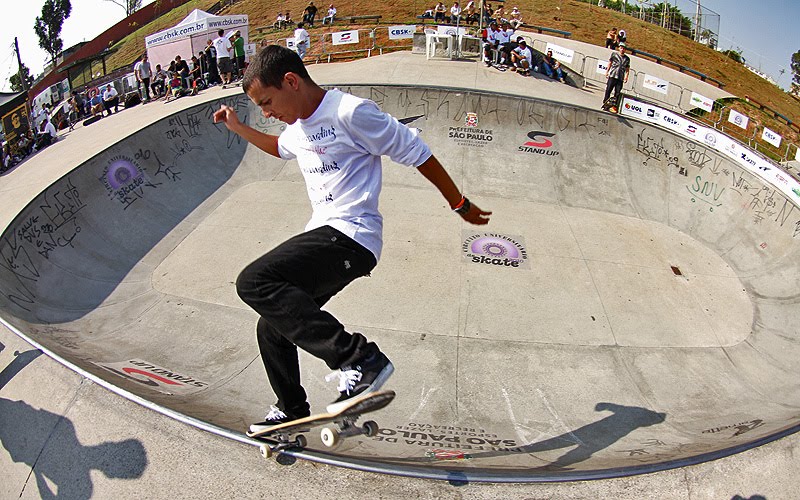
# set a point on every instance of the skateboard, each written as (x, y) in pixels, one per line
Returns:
(237, 83)
(290, 434)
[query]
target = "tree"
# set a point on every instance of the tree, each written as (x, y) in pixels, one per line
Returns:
(796, 67)
(736, 55)
(130, 6)
(16, 83)
(48, 27)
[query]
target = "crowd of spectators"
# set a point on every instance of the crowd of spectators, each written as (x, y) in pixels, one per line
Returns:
(469, 14)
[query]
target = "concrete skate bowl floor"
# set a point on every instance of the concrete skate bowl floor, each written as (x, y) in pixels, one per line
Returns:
(650, 321)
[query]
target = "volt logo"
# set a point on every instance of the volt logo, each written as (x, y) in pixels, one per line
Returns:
(539, 142)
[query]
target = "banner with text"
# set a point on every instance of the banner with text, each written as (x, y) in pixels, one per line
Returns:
(702, 102)
(602, 67)
(771, 137)
(451, 30)
(738, 119)
(345, 37)
(656, 84)
(401, 31)
(563, 54)
(716, 140)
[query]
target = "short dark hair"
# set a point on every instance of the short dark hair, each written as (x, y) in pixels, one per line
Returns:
(271, 64)
(221, 32)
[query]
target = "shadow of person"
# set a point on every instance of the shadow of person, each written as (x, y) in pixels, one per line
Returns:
(589, 439)
(599, 435)
(48, 444)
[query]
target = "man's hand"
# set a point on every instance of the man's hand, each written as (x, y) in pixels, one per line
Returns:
(228, 116)
(476, 215)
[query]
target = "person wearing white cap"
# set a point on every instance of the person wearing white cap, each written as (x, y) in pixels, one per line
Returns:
(515, 18)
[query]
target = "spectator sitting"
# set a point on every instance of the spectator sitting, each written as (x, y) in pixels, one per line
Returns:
(622, 37)
(487, 13)
(309, 14)
(25, 144)
(500, 15)
(47, 134)
(280, 20)
(159, 82)
(439, 12)
(470, 16)
(515, 18)
(331, 15)
(176, 87)
(455, 13)
(111, 99)
(522, 57)
(490, 42)
(506, 44)
(611, 39)
(96, 103)
(182, 68)
(288, 19)
(552, 67)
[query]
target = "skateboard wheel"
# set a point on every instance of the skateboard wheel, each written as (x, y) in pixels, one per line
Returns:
(301, 441)
(330, 437)
(266, 451)
(371, 428)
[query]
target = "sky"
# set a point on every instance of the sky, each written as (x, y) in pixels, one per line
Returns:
(766, 31)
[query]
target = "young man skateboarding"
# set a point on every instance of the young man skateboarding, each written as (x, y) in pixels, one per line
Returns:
(338, 140)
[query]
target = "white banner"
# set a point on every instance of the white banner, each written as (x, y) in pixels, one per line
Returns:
(290, 44)
(738, 119)
(602, 67)
(702, 102)
(250, 49)
(562, 54)
(718, 141)
(345, 37)
(451, 30)
(771, 137)
(401, 31)
(180, 31)
(656, 84)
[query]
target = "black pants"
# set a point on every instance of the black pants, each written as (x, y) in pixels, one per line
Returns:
(615, 85)
(287, 287)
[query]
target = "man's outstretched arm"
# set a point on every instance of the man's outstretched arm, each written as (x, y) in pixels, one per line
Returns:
(265, 142)
(432, 170)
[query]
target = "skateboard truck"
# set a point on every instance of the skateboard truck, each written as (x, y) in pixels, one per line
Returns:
(347, 427)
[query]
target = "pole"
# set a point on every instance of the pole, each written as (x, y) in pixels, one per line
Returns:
(697, 23)
(19, 61)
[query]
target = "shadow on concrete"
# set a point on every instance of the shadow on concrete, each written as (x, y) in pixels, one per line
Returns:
(62, 470)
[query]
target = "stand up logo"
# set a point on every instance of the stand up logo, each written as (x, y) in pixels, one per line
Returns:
(155, 377)
(539, 143)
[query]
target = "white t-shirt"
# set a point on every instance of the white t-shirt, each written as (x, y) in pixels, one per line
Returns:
(301, 36)
(50, 129)
(110, 93)
(143, 67)
(504, 36)
(223, 47)
(339, 149)
(526, 53)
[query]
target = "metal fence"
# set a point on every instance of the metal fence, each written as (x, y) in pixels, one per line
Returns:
(369, 41)
(677, 98)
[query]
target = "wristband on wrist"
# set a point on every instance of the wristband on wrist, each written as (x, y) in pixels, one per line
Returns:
(462, 207)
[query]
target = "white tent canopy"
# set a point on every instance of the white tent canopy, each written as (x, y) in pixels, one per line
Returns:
(189, 37)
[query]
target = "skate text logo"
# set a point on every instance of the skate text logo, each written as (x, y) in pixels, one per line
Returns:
(539, 143)
(155, 377)
(495, 250)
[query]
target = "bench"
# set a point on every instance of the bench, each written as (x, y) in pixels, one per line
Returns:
(356, 19)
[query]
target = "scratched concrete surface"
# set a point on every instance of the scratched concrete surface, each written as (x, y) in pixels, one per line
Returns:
(593, 356)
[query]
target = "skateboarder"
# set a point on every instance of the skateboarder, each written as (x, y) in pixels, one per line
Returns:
(619, 65)
(338, 140)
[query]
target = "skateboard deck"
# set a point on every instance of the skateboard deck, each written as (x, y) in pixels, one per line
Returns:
(290, 434)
